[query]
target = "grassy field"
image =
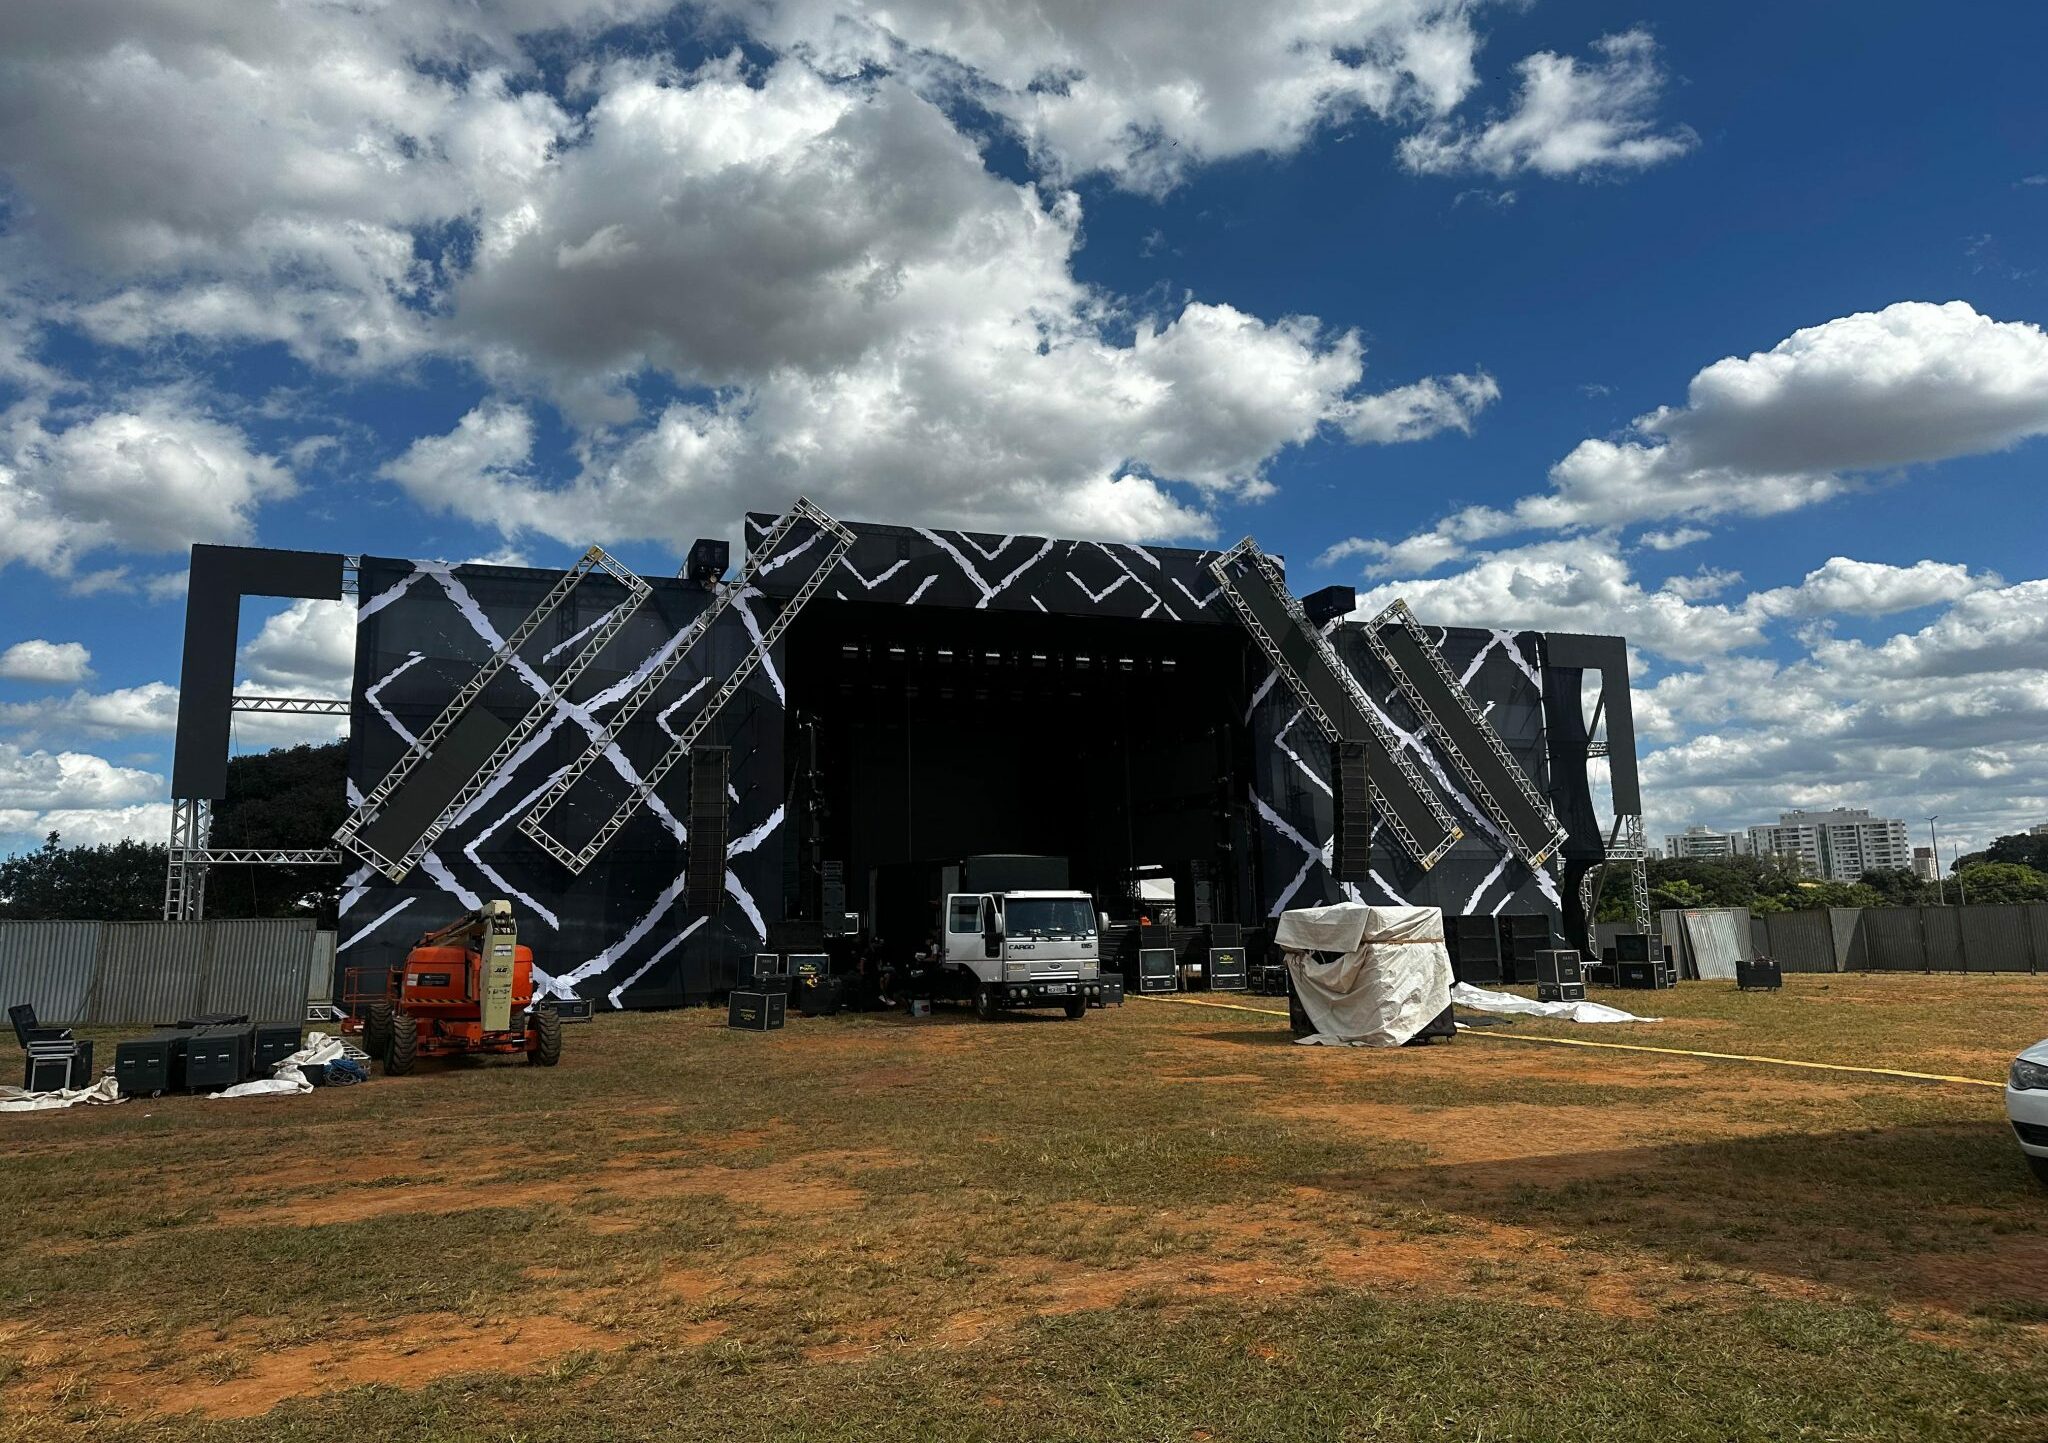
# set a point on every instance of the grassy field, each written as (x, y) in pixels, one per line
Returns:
(1162, 1222)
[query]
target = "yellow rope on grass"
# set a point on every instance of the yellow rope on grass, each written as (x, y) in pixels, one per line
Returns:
(1639, 1047)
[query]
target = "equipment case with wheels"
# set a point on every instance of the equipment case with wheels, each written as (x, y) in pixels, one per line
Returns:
(1759, 974)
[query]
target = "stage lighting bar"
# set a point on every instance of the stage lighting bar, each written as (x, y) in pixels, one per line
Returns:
(479, 728)
(1409, 806)
(1467, 739)
(758, 560)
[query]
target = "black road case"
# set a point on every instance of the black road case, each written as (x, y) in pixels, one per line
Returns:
(756, 1011)
(1759, 974)
(275, 1041)
(143, 1065)
(1226, 969)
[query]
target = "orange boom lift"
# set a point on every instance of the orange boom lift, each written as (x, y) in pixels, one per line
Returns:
(465, 990)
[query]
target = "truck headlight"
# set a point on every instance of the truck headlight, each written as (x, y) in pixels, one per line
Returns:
(1090, 971)
(1016, 971)
(2027, 1076)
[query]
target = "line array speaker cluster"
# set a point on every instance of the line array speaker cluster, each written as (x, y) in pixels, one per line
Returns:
(705, 868)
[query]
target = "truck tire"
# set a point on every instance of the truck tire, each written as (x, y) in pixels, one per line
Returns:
(1077, 1008)
(985, 1003)
(404, 1048)
(377, 1029)
(546, 1050)
(2039, 1165)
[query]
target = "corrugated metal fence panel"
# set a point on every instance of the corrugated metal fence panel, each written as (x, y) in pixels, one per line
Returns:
(259, 967)
(1891, 937)
(1944, 937)
(1802, 941)
(1995, 938)
(49, 965)
(2037, 933)
(1851, 950)
(320, 978)
(1759, 935)
(149, 972)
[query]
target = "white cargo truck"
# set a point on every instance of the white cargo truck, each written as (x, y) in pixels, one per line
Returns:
(1022, 949)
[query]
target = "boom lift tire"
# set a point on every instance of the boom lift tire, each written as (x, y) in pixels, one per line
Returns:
(377, 1029)
(404, 1048)
(547, 1046)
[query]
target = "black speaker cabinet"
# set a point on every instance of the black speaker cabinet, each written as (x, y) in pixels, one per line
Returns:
(756, 1011)
(1522, 936)
(1633, 947)
(1158, 970)
(1474, 945)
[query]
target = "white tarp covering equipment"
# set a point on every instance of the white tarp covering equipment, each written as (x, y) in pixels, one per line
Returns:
(103, 1089)
(1480, 1000)
(286, 1078)
(1389, 977)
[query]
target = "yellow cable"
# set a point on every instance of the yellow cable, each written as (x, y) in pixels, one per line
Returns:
(1638, 1047)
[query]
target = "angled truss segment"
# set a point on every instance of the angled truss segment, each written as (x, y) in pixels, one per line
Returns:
(840, 540)
(1416, 799)
(1534, 834)
(350, 837)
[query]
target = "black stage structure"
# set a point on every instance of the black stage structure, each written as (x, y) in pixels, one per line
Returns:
(657, 771)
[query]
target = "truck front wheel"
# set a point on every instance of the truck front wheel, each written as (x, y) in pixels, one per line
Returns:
(1077, 1008)
(985, 1002)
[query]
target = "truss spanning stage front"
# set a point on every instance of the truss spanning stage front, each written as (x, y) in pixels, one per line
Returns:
(1330, 693)
(767, 556)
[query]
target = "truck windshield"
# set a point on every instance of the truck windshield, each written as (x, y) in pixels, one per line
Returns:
(1049, 917)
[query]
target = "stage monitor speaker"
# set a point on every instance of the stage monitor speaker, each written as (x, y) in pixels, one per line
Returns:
(1353, 862)
(1632, 947)
(705, 865)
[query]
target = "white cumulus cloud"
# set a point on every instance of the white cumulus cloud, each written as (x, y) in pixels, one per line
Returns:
(49, 661)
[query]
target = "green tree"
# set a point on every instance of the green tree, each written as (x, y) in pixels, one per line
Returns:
(2002, 882)
(1898, 887)
(292, 798)
(1678, 892)
(114, 882)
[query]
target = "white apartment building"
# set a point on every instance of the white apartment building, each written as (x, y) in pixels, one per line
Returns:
(1838, 845)
(1697, 841)
(1924, 865)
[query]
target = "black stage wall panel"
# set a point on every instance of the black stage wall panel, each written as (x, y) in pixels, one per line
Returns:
(626, 933)
(221, 576)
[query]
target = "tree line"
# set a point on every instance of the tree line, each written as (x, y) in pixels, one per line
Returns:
(292, 798)
(2011, 869)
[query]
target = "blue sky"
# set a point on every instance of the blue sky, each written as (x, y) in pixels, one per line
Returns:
(1719, 327)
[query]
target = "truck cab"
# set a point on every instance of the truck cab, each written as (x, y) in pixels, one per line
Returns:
(1024, 949)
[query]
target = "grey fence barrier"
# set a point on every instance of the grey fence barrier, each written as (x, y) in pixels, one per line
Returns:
(132, 974)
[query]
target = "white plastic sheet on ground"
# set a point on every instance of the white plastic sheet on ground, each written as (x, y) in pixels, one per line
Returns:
(286, 1078)
(13, 1099)
(1390, 979)
(1480, 1000)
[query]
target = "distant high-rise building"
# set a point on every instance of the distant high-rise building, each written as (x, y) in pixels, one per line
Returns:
(1924, 865)
(1698, 841)
(2039, 829)
(1838, 845)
